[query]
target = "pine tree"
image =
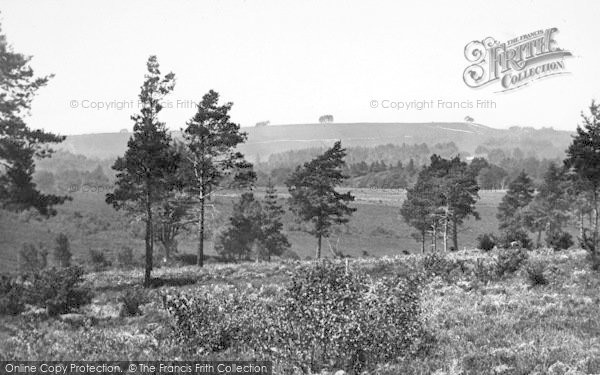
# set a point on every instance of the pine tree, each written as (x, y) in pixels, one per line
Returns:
(313, 195)
(272, 241)
(20, 145)
(144, 172)
(549, 210)
(583, 160)
(211, 139)
(511, 210)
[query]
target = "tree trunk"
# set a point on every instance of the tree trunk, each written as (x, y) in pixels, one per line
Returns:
(319, 247)
(455, 234)
(149, 236)
(595, 234)
(423, 242)
(200, 259)
(446, 233)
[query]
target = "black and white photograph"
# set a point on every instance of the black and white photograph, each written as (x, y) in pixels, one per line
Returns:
(257, 187)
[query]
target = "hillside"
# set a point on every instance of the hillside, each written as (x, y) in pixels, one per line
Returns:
(264, 141)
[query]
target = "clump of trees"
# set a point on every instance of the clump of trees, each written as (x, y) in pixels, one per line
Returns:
(442, 198)
(326, 119)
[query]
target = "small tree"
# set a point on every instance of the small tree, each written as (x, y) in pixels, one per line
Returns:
(211, 139)
(145, 172)
(272, 241)
(511, 210)
(313, 195)
(420, 206)
(243, 231)
(62, 251)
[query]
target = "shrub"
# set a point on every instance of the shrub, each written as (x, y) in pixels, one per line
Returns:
(486, 242)
(131, 301)
(519, 236)
(485, 271)
(58, 290)
(436, 264)
(326, 318)
(510, 261)
(559, 240)
(535, 273)
(12, 300)
(62, 251)
(98, 259)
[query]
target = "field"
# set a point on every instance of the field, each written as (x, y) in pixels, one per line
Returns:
(376, 228)
(502, 326)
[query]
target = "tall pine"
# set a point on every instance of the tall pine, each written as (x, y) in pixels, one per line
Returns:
(211, 139)
(145, 171)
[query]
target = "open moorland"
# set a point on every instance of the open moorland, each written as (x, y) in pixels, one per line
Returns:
(473, 313)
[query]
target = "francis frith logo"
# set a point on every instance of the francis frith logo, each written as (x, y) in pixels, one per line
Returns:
(514, 63)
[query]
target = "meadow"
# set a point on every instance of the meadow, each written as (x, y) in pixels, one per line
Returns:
(376, 228)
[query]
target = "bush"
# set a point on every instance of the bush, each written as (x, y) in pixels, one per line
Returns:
(62, 251)
(594, 259)
(535, 273)
(486, 242)
(58, 290)
(326, 318)
(519, 236)
(12, 300)
(98, 259)
(510, 261)
(131, 301)
(485, 271)
(436, 264)
(559, 240)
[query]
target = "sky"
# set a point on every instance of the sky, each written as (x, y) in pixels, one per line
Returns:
(290, 62)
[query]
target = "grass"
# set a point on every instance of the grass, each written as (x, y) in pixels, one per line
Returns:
(503, 326)
(91, 224)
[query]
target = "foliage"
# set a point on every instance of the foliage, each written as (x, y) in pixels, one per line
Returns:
(519, 237)
(583, 161)
(59, 290)
(271, 240)
(145, 172)
(510, 261)
(511, 210)
(210, 157)
(12, 300)
(244, 228)
(313, 195)
(98, 259)
(20, 146)
(326, 318)
(486, 241)
(535, 271)
(559, 240)
(131, 301)
(62, 250)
